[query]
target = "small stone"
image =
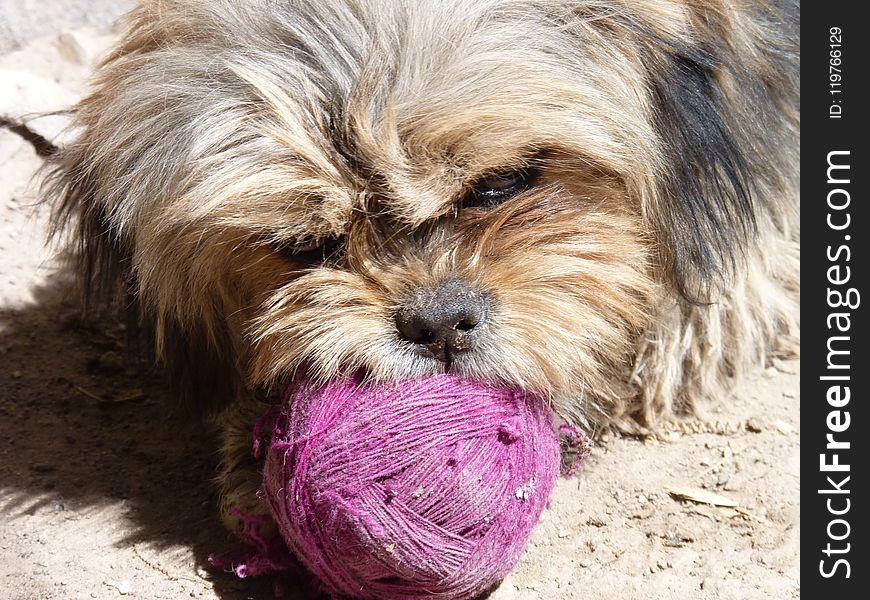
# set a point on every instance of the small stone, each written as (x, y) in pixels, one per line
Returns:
(70, 48)
(754, 426)
(124, 586)
(586, 563)
(783, 427)
(110, 362)
(644, 512)
(733, 484)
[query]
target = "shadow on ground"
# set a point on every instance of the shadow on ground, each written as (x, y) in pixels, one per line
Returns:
(81, 429)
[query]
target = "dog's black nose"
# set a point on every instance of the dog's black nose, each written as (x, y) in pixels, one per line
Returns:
(445, 318)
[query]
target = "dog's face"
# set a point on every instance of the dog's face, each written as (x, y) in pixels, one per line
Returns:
(495, 189)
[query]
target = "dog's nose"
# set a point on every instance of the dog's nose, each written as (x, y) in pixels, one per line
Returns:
(445, 318)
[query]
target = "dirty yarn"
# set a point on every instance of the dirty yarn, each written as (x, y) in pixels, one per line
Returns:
(419, 489)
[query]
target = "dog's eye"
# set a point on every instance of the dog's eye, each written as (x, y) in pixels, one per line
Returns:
(499, 187)
(312, 251)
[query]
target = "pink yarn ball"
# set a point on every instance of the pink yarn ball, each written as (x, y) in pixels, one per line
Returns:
(422, 489)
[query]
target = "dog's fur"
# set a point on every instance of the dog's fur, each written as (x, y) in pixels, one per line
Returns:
(654, 259)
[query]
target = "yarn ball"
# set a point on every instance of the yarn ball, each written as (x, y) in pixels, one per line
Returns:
(420, 489)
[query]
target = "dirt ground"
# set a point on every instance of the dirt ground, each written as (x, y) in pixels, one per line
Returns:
(104, 493)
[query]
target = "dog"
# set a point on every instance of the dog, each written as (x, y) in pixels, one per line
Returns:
(592, 200)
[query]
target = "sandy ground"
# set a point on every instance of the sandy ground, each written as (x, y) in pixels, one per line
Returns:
(104, 493)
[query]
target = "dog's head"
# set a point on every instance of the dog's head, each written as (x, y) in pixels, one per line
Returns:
(503, 190)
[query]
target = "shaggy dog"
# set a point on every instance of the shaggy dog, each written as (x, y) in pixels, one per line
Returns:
(592, 200)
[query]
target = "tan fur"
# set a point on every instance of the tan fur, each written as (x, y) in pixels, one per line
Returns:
(219, 133)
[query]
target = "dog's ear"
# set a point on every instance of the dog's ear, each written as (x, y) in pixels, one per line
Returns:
(721, 86)
(704, 214)
(723, 97)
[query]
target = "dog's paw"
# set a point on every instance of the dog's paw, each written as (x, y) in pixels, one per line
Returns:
(240, 475)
